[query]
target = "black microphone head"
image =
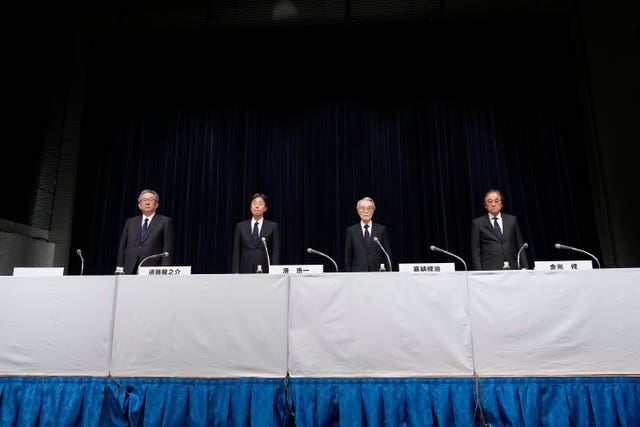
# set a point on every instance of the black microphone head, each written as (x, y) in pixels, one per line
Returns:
(558, 246)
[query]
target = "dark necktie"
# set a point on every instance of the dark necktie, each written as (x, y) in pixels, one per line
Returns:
(256, 234)
(367, 236)
(496, 226)
(145, 228)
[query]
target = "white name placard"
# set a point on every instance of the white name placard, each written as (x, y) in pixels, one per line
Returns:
(38, 271)
(165, 270)
(443, 267)
(562, 265)
(297, 269)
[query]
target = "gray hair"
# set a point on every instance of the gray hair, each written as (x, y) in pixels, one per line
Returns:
(493, 190)
(366, 199)
(148, 191)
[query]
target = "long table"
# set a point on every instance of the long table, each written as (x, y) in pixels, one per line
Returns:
(335, 330)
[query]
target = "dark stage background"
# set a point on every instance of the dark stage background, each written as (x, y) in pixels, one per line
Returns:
(422, 117)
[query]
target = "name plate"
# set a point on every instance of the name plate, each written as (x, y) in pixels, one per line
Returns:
(38, 271)
(440, 267)
(297, 269)
(562, 265)
(168, 270)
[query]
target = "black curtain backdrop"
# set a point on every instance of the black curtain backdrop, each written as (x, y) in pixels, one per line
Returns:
(423, 118)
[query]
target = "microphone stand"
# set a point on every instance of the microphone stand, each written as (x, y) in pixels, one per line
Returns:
(79, 252)
(264, 243)
(524, 246)
(375, 239)
(560, 246)
(313, 251)
(161, 255)
(437, 249)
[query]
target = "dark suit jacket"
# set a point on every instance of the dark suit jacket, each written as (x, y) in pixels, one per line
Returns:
(359, 256)
(248, 254)
(488, 251)
(160, 238)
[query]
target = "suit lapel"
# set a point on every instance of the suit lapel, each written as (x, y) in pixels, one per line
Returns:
(506, 227)
(356, 231)
(265, 229)
(376, 233)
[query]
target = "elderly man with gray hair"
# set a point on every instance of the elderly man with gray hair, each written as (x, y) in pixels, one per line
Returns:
(364, 241)
(144, 235)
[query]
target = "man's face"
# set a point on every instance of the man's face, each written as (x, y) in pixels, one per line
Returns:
(493, 203)
(365, 210)
(258, 207)
(148, 204)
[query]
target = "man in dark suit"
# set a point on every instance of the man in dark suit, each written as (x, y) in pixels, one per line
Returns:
(145, 235)
(361, 251)
(496, 237)
(249, 254)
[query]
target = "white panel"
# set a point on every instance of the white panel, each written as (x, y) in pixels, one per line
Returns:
(296, 269)
(429, 268)
(556, 323)
(379, 325)
(55, 325)
(201, 326)
(173, 270)
(563, 265)
(38, 271)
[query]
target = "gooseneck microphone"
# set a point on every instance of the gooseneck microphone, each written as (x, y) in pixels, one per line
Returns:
(560, 246)
(79, 252)
(160, 255)
(313, 251)
(523, 247)
(375, 239)
(437, 249)
(264, 243)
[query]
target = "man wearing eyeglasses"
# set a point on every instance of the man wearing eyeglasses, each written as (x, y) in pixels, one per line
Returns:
(496, 237)
(145, 235)
(361, 251)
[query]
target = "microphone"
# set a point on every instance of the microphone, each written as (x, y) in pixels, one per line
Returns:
(375, 239)
(79, 252)
(160, 255)
(524, 246)
(437, 249)
(264, 243)
(313, 251)
(559, 246)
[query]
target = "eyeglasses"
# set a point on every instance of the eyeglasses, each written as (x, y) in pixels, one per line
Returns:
(147, 200)
(366, 208)
(490, 202)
